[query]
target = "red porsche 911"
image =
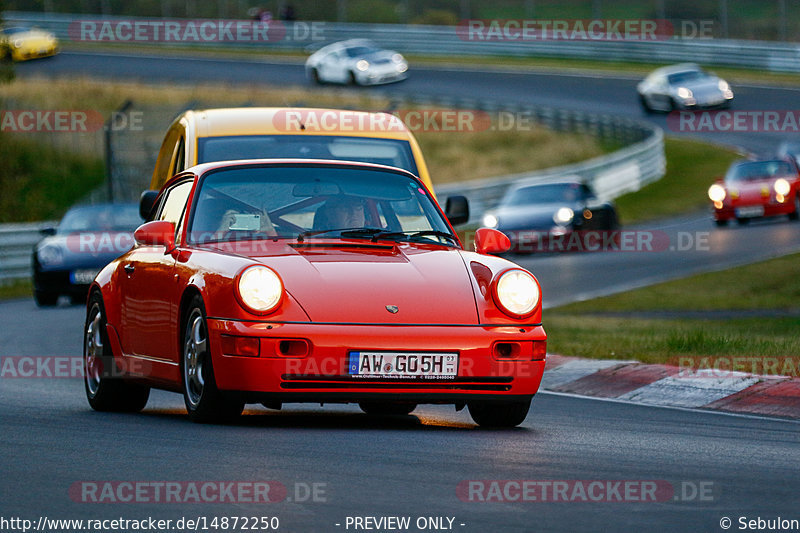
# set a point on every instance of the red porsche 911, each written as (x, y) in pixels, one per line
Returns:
(275, 281)
(755, 189)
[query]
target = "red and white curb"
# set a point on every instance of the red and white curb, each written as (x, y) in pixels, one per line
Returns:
(671, 386)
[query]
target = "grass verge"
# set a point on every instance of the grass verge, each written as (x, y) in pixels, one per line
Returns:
(691, 169)
(623, 326)
(18, 288)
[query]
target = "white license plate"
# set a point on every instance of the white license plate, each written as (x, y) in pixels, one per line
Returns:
(750, 211)
(403, 364)
(83, 277)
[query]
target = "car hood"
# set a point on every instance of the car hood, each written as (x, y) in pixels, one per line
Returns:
(355, 283)
(376, 58)
(704, 85)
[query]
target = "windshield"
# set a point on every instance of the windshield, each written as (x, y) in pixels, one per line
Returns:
(682, 77)
(361, 51)
(107, 217)
(12, 31)
(310, 201)
(545, 194)
(758, 170)
(389, 152)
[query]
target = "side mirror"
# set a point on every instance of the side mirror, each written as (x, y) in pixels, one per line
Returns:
(156, 233)
(49, 230)
(491, 241)
(457, 210)
(146, 203)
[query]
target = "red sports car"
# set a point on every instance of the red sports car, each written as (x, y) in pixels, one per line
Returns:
(275, 281)
(754, 189)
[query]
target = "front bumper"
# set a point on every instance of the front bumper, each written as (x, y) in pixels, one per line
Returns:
(318, 372)
(743, 210)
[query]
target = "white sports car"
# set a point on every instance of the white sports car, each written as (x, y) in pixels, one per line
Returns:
(683, 86)
(356, 62)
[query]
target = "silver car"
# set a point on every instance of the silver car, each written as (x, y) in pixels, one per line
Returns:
(356, 62)
(683, 86)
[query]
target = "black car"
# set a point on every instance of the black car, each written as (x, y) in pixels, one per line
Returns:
(553, 217)
(89, 237)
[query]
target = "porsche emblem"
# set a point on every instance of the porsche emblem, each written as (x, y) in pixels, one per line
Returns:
(392, 309)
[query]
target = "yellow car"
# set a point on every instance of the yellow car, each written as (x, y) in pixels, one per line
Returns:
(27, 43)
(287, 133)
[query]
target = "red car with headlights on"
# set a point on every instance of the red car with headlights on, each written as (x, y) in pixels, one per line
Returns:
(754, 189)
(275, 281)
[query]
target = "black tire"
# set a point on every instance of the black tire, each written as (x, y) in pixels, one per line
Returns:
(105, 389)
(352, 80)
(499, 414)
(796, 214)
(743, 221)
(387, 408)
(721, 223)
(205, 403)
(315, 76)
(645, 106)
(45, 298)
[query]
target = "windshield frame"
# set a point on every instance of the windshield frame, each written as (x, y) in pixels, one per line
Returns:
(432, 210)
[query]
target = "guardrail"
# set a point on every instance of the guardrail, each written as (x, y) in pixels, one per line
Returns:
(16, 246)
(446, 41)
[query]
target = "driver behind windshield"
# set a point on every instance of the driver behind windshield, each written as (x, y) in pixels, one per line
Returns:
(340, 212)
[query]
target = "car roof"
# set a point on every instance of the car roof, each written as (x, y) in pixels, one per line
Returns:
(202, 168)
(224, 122)
(680, 67)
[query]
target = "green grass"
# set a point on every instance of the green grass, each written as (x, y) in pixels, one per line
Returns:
(692, 167)
(20, 288)
(39, 182)
(611, 327)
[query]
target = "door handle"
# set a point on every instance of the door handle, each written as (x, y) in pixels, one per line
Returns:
(129, 268)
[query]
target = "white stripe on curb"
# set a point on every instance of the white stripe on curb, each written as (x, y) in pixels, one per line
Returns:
(690, 389)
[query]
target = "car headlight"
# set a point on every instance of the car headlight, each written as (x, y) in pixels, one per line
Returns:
(782, 187)
(259, 289)
(50, 255)
(17, 43)
(684, 93)
(517, 292)
(362, 65)
(564, 216)
(716, 193)
(490, 221)
(402, 67)
(723, 86)
(397, 58)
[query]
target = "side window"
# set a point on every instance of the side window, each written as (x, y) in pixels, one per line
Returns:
(174, 204)
(178, 158)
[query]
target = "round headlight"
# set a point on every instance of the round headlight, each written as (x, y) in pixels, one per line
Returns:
(17, 43)
(716, 193)
(723, 86)
(517, 292)
(362, 65)
(683, 92)
(260, 289)
(564, 216)
(490, 221)
(402, 67)
(782, 187)
(397, 58)
(50, 255)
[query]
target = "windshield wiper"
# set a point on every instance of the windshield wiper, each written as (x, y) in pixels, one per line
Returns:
(357, 233)
(414, 235)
